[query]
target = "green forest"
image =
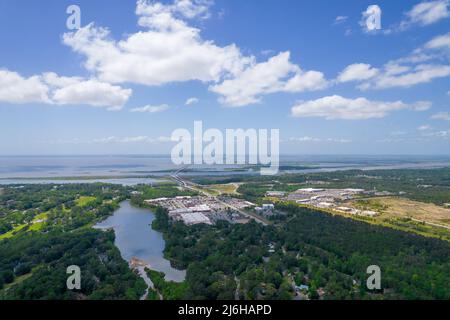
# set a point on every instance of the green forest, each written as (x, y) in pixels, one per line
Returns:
(328, 255)
(303, 253)
(426, 185)
(33, 261)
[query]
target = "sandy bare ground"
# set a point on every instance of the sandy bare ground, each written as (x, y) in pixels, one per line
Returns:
(394, 207)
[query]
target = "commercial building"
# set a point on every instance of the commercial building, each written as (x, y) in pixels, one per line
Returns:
(268, 206)
(192, 218)
(277, 194)
(201, 209)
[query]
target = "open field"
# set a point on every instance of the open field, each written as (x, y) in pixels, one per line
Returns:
(230, 188)
(395, 208)
(84, 201)
(11, 233)
(421, 227)
(216, 190)
(36, 225)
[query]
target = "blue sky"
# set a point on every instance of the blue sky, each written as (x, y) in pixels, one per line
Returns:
(121, 83)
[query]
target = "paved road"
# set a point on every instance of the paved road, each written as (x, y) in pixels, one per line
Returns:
(198, 188)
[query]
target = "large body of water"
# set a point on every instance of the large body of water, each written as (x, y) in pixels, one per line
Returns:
(134, 169)
(135, 238)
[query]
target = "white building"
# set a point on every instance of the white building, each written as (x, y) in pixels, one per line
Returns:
(259, 210)
(194, 218)
(268, 206)
(201, 208)
(156, 200)
(310, 190)
(325, 204)
(275, 193)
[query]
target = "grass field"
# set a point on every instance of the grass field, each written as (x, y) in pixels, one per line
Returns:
(36, 225)
(230, 188)
(395, 208)
(391, 220)
(11, 233)
(422, 218)
(216, 190)
(84, 201)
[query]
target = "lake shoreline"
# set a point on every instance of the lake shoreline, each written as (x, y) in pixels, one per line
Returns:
(139, 244)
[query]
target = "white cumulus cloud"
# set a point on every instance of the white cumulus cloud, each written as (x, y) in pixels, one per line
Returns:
(357, 72)
(338, 107)
(409, 76)
(441, 116)
(151, 109)
(17, 89)
(94, 93)
(168, 50)
(134, 139)
(191, 101)
(439, 42)
(277, 74)
(49, 88)
(314, 139)
(426, 13)
(422, 65)
(340, 19)
(424, 127)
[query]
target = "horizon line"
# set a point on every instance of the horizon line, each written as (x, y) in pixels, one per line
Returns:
(168, 154)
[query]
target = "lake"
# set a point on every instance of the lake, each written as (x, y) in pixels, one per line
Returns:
(136, 238)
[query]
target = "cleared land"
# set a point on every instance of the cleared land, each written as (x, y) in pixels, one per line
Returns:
(230, 188)
(84, 201)
(11, 233)
(216, 190)
(36, 225)
(395, 208)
